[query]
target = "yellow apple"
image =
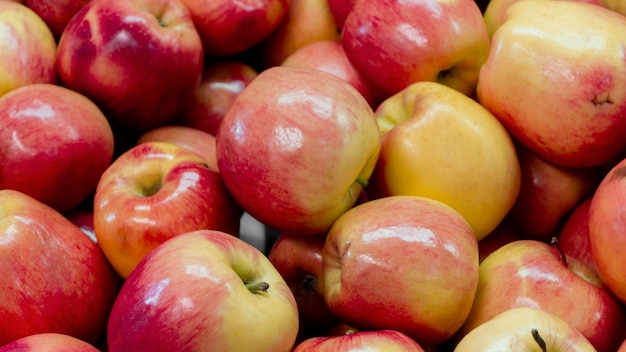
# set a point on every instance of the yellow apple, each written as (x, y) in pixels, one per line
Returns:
(439, 143)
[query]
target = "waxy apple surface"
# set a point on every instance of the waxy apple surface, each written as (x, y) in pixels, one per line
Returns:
(139, 60)
(371, 341)
(200, 291)
(296, 148)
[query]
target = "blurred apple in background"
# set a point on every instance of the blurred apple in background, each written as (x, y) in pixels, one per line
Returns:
(229, 27)
(27, 48)
(534, 274)
(153, 192)
(307, 22)
(298, 259)
(403, 263)
(568, 105)
(548, 192)
(574, 235)
(55, 144)
(48, 342)
(525, 329)
(329, 56)
(372, 341)
(607, 234)
(296, 148)
(500, 236)
(222, 81)
(396, 43)
(204, 290)
(340, 10)
(115, 51)
(193, 139)
(54, 278)
(441, 144)
(83, 218)
(56, 13)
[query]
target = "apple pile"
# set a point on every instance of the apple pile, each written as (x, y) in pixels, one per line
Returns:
(439, 175)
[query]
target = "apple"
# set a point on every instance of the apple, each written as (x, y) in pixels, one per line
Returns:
(229, 27)
(500, 236)
(568, 105)
(222, 81)
(396, 43)
(27, 48)
(83, 218)
(622, 347)
(574, 235)
(606, 235)
(441, 144)
(306, 22)
(340, 10)
(329, 56)
(296, 148)
(56, 13)
(153, 192)
(535, 274)
(198, 141)
(139, 60)
(298, 259)
(48, 342)
(403, 263)
(525, 329)
(548, 192)
(204, 290)
(54, 278)
(55, 144)
(381, 340)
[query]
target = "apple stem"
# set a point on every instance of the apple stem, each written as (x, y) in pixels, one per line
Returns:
(555, 243)
(256, 287)
(539, 340)
(362, 182)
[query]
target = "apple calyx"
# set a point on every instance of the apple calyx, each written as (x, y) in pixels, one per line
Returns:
(539, 340)
(308, 285)
(554, 242)
(256, 287)
(362, 182)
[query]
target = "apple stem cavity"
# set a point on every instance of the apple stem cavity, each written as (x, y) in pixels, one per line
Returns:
(256, 287)
(539, 340)
(362, 182)
(555, 243)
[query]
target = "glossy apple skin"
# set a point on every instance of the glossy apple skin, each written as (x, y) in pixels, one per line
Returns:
(381, 340)
(113, 51)
(511, 331)
(55, 144)
(586, 125)
(54, 278)
(396, 43)
(606, 229)
(574, 236)
(189, 294)
(198, 141)
(153, 192)
(529, 273)
(548, 192)
(222, 81)
(27, 50)
(403, 263)
(232, 27)
(48, 342)
(441, 144)
(56, 13)
(292, 146)
(298, 259)
(329, 56)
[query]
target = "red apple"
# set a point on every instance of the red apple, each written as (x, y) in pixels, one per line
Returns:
(139, 60)
(403, 263)
(396, 43)
(54, 278)
(297, 147)
(231, 27)
(55, 144)
(534, 274)
(329, 56)
(48, 342)
(222, 81)
(84, 220)
(340, 10)
(372, 341)
(204, 290)
(574, 235)
(27, 48)
(153, 192)
(56, 13)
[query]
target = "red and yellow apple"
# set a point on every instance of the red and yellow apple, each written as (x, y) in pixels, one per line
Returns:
(372, 341)
(574, 235)
(48, 342)
(56, 13)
